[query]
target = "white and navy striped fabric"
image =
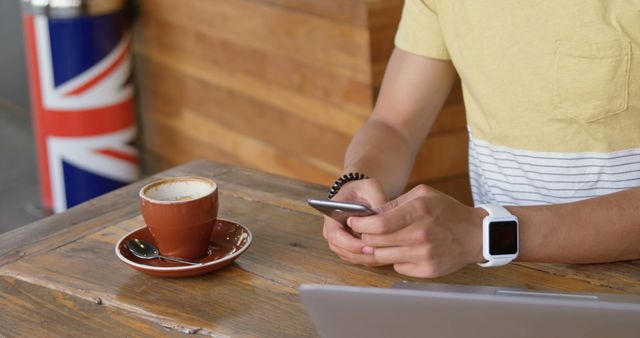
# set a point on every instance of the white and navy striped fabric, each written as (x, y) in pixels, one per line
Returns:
(508, 176)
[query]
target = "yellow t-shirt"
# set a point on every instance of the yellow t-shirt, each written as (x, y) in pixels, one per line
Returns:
(551, 88)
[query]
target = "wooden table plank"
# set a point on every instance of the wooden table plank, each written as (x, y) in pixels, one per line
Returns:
(231, 302)
(74, 263)
(29, 310)
(622, 276)
(240, 298)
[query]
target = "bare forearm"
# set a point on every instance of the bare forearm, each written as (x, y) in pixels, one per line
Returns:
(412, 94)
(379, 151)
(597, 230)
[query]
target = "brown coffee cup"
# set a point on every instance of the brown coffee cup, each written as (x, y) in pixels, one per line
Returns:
(180, 213)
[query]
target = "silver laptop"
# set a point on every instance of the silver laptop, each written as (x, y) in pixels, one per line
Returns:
(445, 310)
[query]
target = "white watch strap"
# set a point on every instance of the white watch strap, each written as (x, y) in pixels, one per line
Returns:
(495, 210)
(496, 262)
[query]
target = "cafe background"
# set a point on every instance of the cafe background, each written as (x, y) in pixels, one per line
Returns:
(275, 85)
(19, 191)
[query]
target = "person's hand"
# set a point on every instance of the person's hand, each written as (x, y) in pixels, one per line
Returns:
(423, 233)
(341, 241)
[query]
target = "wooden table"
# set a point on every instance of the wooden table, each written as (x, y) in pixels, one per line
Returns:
(60, 276)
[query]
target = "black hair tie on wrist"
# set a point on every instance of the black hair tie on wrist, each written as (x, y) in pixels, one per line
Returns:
(344, 179)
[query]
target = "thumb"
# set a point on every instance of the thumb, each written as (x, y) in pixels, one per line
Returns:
(367, 191)
(371, 192)
(408, 196)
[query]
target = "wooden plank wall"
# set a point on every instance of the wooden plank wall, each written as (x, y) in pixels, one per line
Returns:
(276, 85)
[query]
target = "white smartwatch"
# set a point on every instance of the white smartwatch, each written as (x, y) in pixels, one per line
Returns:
(500, 236)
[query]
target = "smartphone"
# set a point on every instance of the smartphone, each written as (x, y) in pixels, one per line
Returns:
(340, 211)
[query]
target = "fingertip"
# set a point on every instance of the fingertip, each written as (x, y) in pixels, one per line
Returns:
(355, 223)
(367, 250)
(366, 225)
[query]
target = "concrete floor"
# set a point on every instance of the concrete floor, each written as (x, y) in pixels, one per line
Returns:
(19, 190)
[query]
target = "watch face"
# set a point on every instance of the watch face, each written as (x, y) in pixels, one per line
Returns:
(503, 238)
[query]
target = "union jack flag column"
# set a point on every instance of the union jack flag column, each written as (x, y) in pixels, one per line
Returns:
(79, 57)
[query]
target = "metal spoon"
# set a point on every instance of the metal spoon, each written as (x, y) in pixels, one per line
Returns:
(144, 250)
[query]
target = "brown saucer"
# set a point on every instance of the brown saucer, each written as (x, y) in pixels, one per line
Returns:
(228, 241)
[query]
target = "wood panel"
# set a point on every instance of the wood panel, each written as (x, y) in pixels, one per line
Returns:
(255, 73)
(456, 187)
(444, 155)
(346, 11)
(276, 85)
(333, 46)
(384, 16)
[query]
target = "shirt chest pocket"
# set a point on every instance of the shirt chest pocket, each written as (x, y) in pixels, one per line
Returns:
(591, 80)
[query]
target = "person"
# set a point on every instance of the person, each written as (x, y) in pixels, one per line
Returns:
(552, 97)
